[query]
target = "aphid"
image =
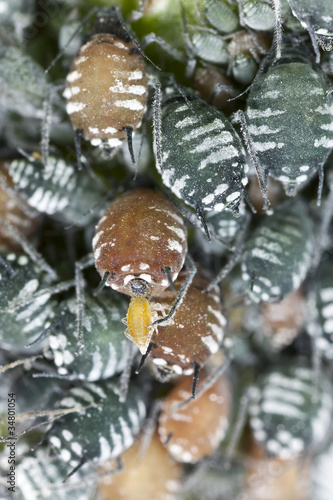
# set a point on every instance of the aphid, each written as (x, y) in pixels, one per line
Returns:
(23, 83)
(15, 210)
(246, 49)
(140, 237)
(196, 138)
(196, 332)
(274, 478)
(152, 476)
(279, 252)
(317, 19)
(222, 15)
(284, 417)
(195, 430)
(282, 322)
(259, 15)
(296, 115)
(102, 431)
(57, 188)
(20, 280)
(320, 309)
(139, 248)
(41, 476)
(106, 349)
(107, 85)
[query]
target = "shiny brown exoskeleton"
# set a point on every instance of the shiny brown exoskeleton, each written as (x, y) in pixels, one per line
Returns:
(107, 85)
(140, 235)
(196, 331)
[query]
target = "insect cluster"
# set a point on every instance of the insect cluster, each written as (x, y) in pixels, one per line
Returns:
(166, 266)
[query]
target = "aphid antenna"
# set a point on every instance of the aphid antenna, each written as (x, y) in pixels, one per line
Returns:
(239, 117)
(35, 256)
(239, 426)
(46, 121)
(82, 461)
(201, 217)
(92, 209)
(73, 35)
(126, 373)
(191, 273)
(54, 326)
(53, 290)
(187, 101)
(149, 427)
(234, 259)
(19, 362)
(80, 300)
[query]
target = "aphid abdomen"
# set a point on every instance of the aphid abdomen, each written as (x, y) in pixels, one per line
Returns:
(288, 110)
(203, 159)
(106, 90)
(140, 234)
(138, 319)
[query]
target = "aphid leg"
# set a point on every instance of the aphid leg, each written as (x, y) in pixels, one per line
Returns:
(102, 283)
(234, 259)
(168, 273)
(150, 347)
(249, 202)
(240, 118)
(239, 425)
(157, 125)
(196, 370)
(78, 133)
(149, 427)
(320, 184)
(80, 464)
(201, 218)
(8, 268)
(46, 122)
(18, 362)
(126, 373)
(29, 249)
(153, 38)
(191, 273)
(278, 27)
(80, 301)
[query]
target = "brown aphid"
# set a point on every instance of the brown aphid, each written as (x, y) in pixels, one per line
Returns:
(283, 321)
(196, 331)
(107, 85)
(274, 479)
(14, 210)
(205, 82)
(252, 44)
(139, 237)
(196, 429)
(155, 476)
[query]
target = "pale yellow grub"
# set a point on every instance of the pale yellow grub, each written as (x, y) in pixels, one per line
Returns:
(139, 317)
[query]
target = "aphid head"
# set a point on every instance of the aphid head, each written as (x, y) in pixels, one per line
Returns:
(139, 288)
(110, 20)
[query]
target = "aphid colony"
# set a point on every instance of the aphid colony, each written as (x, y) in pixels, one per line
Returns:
(139, 368)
